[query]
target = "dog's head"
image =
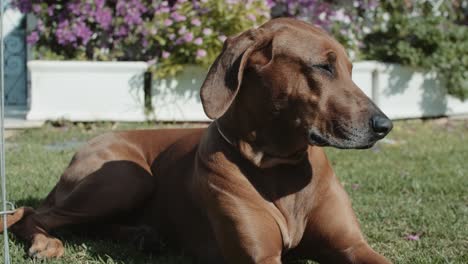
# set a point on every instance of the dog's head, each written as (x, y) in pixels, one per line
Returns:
(285, 85)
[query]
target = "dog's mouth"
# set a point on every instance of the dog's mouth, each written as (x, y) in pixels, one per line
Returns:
(317, 139)
(320, 140)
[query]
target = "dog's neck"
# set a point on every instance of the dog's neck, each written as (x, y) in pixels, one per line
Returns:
(222, 134)
(248, 150)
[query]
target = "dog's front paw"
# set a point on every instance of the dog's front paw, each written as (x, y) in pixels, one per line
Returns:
(45, 247)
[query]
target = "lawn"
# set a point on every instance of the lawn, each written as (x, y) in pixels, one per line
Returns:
(410, 191)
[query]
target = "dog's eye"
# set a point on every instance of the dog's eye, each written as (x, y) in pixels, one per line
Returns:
(328, 68)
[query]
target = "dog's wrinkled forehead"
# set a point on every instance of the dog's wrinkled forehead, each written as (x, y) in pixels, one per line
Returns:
(298, 39)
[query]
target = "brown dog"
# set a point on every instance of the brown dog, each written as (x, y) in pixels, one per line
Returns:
(253, 187)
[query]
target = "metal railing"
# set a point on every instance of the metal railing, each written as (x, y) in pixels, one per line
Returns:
(4, 212)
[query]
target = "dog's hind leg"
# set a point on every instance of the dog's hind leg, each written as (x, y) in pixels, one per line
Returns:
(84, 196)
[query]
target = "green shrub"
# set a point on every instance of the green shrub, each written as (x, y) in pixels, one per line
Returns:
(423, 36)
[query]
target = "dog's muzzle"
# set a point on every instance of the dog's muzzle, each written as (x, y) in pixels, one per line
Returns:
(356, 138)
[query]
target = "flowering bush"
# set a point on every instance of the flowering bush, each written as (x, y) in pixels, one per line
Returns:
(348, 22)
(167, 35)
(423, 34)
(170, 34)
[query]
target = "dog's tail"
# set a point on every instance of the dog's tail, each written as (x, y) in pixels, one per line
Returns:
(15, 217)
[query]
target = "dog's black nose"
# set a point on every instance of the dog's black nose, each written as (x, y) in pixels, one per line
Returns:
(381, 125)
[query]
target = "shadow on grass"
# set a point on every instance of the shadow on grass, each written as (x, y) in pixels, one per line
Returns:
(33, 202)
(87, 242)
(108, 251)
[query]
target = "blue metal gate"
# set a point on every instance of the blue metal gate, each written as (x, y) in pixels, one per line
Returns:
(15, 59)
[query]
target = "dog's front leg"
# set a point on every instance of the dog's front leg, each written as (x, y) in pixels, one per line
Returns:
(244, 229)
(333, 235)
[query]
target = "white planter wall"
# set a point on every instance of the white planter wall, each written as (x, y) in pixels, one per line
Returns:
(402, 92)
(86, 91)
(178, 98)
(112, 91)
(95, 91)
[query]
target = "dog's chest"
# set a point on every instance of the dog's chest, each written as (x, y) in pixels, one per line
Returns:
(290, 191)
(295, 209)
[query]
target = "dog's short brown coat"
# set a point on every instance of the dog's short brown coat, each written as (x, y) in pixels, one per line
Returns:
(253, 187)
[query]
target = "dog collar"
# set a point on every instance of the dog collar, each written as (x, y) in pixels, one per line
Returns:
(222, 134)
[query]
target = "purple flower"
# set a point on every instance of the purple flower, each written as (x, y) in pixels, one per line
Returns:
(179, 41)
(121, 7)
(167, 22)
(178, 17)
(132, 11)
(196, 22)
(100, 3)
(317, 12)
(201, 53)
(103, 17)
(87, 8)
(40, 25)
(133, 18)
(64, 34)
(341, 16)
(222, 38)
(182, 30)
(369, 4)
(36, 8)
(198, 41)
(252, 17)
(32, 38)
(413, 237)
(232, 2)
(188, 37)
(143, 31)
(373, 4)
(270, 3)
(74, 8)
(23, 5)
(50, 10)
(122, 31)
(207, 31)
(82, 31)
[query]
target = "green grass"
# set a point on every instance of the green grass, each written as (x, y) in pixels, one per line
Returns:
(416, 182)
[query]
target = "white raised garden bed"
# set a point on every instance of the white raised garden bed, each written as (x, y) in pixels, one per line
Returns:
(402, 92)
(113, 91)
(178, 98)
(86, 91)
(95, 91)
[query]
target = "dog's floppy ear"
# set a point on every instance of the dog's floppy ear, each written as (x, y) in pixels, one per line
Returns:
(225, 75)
